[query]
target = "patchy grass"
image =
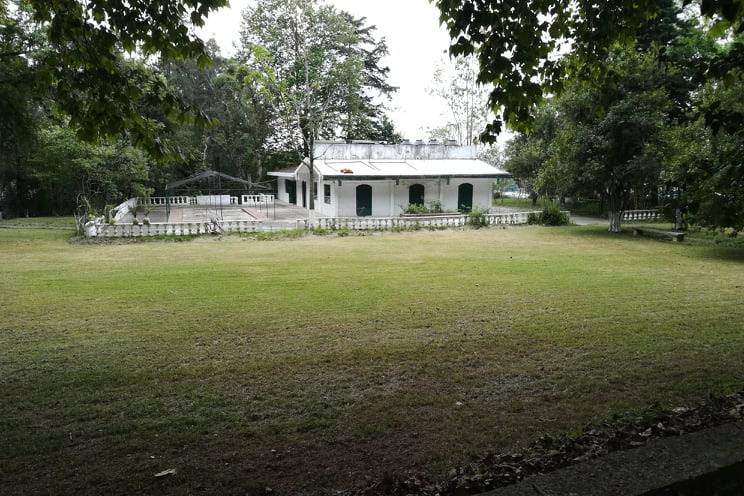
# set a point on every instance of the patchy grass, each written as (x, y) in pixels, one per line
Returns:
(309, 364)
(524, 203)
(60, 222)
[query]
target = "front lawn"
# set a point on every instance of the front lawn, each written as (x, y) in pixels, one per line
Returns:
(307, 365)
(57, 222)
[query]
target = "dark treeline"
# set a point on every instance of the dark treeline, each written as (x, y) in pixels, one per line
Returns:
(644, 108)
(178, 114)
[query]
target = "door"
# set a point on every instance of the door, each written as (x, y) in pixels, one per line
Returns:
(416, 194)
(364, 200)
(291, 187)
(304, 194)
(465, 197)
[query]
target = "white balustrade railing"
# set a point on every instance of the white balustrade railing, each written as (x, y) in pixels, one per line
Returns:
(161, 201)
(185, 201)
(189, 228)
(98, 229)
(123, 210)
(434, 221)
(635, 215)
(256, 200)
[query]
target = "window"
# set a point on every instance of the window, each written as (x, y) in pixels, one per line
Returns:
(327, 193)
(416, 194)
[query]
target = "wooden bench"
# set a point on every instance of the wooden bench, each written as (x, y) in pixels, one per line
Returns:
(655, 233)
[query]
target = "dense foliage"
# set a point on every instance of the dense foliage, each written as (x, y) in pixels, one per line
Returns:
(657, 131)
(96, 106)
(318, 68)
(519, 44)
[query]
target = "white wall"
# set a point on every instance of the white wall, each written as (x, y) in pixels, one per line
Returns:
(281, 190)
(331, 150)
(324, 208)
(482, 192)
(431, 192)
(344, 197)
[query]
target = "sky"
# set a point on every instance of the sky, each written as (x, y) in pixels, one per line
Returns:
(416, 42)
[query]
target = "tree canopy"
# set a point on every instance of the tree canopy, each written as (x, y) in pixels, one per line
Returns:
(95, 102)
(89, 53)
(319, 69)
(522, 46)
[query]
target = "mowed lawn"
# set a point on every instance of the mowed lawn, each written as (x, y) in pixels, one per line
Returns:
(308, 365)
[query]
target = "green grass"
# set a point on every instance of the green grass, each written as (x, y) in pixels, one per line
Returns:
(583, 207)
(309, 364)
(525, 203)
(61, 222)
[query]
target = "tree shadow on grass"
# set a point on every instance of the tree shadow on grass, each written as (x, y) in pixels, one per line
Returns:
(697, 243)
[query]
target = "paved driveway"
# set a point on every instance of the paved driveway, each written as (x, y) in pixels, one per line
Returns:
(580, 220)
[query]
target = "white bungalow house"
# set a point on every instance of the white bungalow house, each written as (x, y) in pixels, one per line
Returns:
(362, 179)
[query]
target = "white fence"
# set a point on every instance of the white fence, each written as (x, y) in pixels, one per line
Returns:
(188, 228)
(186, 201)
(123, 210)
(161, 201)
(433, 221)
(634, 215)
(256, 200)
(99, 229)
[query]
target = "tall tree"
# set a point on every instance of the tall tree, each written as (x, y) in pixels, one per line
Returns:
(236, 142)
(521, 44)
(312, 64)
(609, 139)
(83, 66)
(466, 99)
(527, 154)
(366, 117)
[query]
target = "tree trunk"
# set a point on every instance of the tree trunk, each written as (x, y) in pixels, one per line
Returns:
(680, 224)
(616, 219)
(311, 158)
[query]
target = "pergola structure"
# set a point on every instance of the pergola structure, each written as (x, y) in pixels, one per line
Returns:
(214, 190)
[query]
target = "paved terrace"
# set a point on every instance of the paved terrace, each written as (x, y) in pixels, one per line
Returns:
(193, 213)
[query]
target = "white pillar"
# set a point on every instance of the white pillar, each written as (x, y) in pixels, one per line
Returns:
(393, 189)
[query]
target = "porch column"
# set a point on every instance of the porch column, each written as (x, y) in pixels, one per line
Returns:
(440, 192)
(393, 189)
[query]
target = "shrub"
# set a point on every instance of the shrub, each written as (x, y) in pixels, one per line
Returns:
(552, 216)
(435, 207)
(477, 218)
(534, 218)
(416, 208)
(432, 207)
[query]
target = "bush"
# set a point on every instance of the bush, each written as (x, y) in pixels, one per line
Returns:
(477, 218)
(435, 207)
(416, 208)
(534, 218)
(552, 216)
(432, 207)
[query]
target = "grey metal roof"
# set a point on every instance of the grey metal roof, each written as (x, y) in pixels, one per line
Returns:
(406, 168)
